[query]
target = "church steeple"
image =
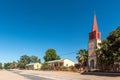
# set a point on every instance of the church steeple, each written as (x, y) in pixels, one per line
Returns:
(95, 34)
(95, 26)
(93, 44)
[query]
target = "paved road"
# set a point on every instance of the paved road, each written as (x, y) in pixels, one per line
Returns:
(45, 75)
(54, 75)
(29, 76)
(7, 75)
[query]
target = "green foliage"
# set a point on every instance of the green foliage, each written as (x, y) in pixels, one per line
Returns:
(6, 65)
(25, 59)
(109, 53)
(103, 53)
(13, 65)
(82, 57)
(0, 65)
(22, 62)
(51, 55)
(10, 65)
(45, 66)
(34, 59)
(114, 41)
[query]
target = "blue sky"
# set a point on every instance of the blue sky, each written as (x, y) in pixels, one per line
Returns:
(32, 26)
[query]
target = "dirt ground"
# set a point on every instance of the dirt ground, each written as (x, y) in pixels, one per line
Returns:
(62, 75)
(57, 75)
(6, 75)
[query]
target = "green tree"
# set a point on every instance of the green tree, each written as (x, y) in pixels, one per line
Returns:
(51, 55)
(34, 59)
(114, 41)
(109, 53)
(45, 66)
(23, 61)
(7, 65)
(0, 65)
(13, 65)
(103, 54)
(82, 57)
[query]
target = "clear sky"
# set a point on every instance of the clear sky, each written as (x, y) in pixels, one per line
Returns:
(32, 26)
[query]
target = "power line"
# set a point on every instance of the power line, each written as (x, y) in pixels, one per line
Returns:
(68, 53)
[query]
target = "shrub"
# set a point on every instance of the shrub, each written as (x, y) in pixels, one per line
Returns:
(72, 68)
(45, 66)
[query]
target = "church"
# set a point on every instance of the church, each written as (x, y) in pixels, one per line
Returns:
(93, 44)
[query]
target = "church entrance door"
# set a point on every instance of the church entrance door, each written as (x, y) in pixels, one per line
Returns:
(92, 64)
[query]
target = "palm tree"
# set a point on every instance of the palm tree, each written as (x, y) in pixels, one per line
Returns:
(82, 57)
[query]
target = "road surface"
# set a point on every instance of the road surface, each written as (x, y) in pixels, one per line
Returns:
(17, 75)
(54, 75)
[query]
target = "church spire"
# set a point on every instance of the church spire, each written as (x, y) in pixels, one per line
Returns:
(95, 26)
(95, 34)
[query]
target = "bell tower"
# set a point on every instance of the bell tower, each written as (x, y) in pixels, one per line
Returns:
(94, 40)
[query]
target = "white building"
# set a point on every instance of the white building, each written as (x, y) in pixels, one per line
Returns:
(33, 66)
(61, 63)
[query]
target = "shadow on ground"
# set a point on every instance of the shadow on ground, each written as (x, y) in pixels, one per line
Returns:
(102, 74)
(28, 76)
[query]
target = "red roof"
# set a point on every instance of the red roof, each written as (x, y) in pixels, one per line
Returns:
(95, 34)
(95, 26)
